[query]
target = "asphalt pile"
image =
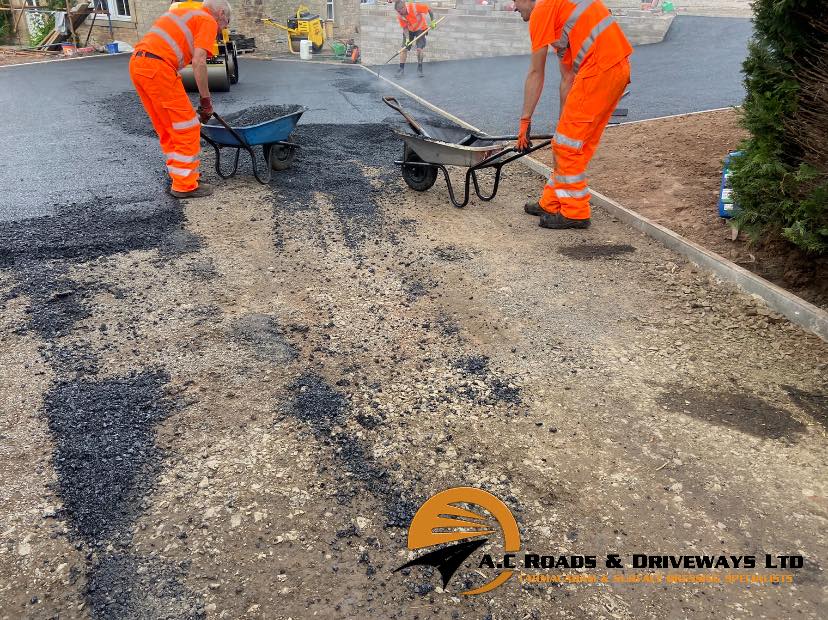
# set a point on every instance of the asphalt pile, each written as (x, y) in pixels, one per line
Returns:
(256, 114)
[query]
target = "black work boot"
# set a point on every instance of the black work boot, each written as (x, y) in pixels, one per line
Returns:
(533, 208)
(400, 72)
(203, 189)
(558, 221)
(420, 70)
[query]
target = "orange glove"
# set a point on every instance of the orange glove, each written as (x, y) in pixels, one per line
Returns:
(523, 142)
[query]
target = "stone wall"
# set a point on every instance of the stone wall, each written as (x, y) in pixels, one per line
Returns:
(474, 31)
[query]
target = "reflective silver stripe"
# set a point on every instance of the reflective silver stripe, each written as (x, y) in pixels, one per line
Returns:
(182, 158)
(562, 139)
(575, 178)
(184, 172)
(580, 7)
(587, 44)
(186, 124)
(572, 193)
(169, 41)
(181, 22)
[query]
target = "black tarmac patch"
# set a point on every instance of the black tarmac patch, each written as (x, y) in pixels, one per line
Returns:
(125, 111)
(105, 454)
(321, 407)
(122, 585)
(742, 412)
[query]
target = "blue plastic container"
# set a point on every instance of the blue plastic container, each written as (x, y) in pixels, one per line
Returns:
(111, 48)
(727, 208)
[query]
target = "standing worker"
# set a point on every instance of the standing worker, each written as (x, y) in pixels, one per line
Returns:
(181, 36)
(594, 61)
(412, 18)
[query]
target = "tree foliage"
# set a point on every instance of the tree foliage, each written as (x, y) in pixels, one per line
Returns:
(781, 181)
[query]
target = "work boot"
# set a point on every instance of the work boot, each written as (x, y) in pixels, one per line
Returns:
(419, 70)
(558, 221)
(400, 72)
(533, 208)
(203, 189)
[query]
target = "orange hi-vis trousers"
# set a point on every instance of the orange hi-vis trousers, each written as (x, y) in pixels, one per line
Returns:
(176, 123)
(588, 109)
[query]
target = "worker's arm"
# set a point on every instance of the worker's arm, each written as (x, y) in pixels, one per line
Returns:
(567, 77)
(532, 90)
(200, 72)
(205, 105)
(534, 82)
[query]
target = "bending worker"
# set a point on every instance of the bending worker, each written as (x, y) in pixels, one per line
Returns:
(412, 18)
(593, 57)
(181, 36)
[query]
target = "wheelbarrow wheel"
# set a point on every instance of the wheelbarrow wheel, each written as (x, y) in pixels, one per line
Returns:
(280, 156)
(418, 178)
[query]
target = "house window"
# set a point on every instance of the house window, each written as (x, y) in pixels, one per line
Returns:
(119, 9)
(330, 5)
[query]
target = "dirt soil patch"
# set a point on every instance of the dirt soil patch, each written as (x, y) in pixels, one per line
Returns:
(669, 170)
(231, 407)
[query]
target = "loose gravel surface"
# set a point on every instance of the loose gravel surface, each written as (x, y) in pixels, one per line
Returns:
(231, 407)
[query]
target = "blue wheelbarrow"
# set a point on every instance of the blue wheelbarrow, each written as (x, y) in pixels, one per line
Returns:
(271, 135)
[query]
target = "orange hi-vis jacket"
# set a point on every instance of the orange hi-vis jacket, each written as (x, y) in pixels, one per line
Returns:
(417, 17)
(175, 35)
(584, 33)
(591, 44)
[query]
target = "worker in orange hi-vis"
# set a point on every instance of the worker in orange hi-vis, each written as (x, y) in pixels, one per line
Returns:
(179, 37)
(412, 19)
(593, 55)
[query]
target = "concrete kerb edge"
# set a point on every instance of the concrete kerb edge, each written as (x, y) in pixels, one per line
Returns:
(63, 59)
(796, 309)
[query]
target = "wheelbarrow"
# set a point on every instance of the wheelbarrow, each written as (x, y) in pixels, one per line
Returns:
(430, 149)
(271, 135)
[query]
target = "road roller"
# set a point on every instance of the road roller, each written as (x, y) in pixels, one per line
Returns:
(222, 66)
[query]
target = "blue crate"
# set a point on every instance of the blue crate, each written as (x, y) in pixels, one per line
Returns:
(727, 207)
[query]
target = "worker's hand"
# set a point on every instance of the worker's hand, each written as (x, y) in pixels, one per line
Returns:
(523, 142)
(408, 44)
(205, 109)
(433, 24)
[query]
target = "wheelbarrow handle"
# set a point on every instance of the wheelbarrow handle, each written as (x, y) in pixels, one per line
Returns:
(232, 131)
(511, 138)
(392, 103)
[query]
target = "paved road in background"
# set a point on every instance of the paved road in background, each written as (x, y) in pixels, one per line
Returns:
(697, 67)
(78, 134)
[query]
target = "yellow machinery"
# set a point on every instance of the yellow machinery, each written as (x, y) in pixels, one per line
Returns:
(304, 25)
(222, 67)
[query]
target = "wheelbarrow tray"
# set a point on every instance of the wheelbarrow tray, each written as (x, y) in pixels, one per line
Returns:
(268, 132)
(471, 151)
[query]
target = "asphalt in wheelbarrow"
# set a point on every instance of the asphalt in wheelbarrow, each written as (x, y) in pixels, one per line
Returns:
(256, 114)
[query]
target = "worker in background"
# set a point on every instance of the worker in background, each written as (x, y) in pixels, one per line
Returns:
(412, 18)
(593, 56)
(181, 36)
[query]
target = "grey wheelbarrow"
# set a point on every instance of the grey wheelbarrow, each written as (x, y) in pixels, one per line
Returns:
(429, 150)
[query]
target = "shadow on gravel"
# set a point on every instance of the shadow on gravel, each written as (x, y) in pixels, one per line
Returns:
(596, 251)
(815, 405)
(322, 408)
(742, 412)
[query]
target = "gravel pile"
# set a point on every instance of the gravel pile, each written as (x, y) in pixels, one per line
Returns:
(256, 114)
